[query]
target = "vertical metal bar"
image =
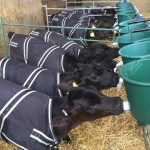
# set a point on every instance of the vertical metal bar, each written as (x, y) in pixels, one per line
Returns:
(47, 19)
(66, 4)
(5, 51)
(93, 4)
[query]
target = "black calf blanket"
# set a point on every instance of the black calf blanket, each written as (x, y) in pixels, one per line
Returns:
(36, 52)
(39, 79)
(57, 39)
(25, 117)
(71, 20)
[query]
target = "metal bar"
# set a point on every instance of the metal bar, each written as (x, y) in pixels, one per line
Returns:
(81, 8)
(103, 41)
(43, 26)
(93, 1)
(5, 51)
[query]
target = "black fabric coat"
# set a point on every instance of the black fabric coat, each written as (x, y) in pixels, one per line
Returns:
(72, 19)
(36, 52)
(57, 39)
(39, 79)
(26, 117)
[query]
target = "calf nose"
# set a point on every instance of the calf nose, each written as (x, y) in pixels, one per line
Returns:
(118, 106)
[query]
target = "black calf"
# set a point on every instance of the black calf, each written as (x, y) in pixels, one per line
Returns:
(32, 120)
(36, 52)
(96, 52)
(53, 83)
(83, 22)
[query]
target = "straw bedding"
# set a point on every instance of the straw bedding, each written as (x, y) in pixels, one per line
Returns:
(111, 133)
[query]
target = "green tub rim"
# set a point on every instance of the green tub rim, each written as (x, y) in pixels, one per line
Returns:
(130, 80)
(123, 49)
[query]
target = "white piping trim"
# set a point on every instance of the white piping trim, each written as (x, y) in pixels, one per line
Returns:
(24, 49)
(45, 37)
(73, 30)
(66, 44)
(58, 82)
(69, 45)
(27, 47)
(48, 37)
(4, 69)
(14, 106)
(64, 112)
(36, 77)
(39, 140)
(1, 61)
(12, 37)
(12, 45)
(48, 55)
(31, 33)
(62, 63)
(45, 136)
(79, 52)
(14, 142)
(49, 119)
(51, 48)
(30, 76)
(82, 41)
(17, 94)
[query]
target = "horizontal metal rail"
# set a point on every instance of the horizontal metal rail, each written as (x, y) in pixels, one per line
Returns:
(59, 27)
(93, 2)
(3, 34)
(81, 8)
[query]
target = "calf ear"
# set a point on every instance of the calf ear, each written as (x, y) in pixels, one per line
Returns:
(65, 87)
(74, 94)
(10, 34)
(98, 66)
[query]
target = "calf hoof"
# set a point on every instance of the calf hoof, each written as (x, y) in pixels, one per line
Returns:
(66, 139)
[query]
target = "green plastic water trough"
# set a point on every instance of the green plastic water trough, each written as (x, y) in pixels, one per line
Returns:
(124, 17)
(127, 11)
(131, 27)
(126, 23)
(123, 4)
(132, 37)
(135, 51)
(136, 77)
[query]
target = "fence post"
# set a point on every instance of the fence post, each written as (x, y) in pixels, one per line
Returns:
(5, 51)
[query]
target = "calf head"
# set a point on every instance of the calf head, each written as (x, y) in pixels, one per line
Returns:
(98, 34)
(98, 52)
(88, 104)
(110, 11)
(80, 105)
(105, 21)
(97, 75)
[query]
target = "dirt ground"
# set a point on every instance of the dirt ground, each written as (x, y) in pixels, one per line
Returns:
(143, 6)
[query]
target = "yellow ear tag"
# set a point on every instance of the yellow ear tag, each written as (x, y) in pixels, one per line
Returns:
(92, 34)
(74, 84)
(93, 27)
